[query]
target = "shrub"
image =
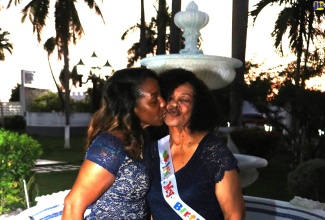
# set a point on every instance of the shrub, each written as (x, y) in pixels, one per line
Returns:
(48, 102)
(18, 154)
(14, 122)
(256, 142)
(307, 180)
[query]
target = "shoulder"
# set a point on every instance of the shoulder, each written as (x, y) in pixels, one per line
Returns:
(107, 151)
(217, 156)
(108, 142)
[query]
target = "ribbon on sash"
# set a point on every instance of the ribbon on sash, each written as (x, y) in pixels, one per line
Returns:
(169, 185)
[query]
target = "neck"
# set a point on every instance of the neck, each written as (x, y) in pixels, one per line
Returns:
(185, 137)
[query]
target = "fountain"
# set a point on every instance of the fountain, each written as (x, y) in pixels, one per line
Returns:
(216, 71)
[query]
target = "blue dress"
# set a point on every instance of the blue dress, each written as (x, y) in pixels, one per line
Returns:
(125, 199)
(195, 181)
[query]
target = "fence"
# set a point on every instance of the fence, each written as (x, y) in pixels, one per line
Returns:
(10, 108)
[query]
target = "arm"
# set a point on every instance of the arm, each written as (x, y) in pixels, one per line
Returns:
(230, 197)
(92, 181)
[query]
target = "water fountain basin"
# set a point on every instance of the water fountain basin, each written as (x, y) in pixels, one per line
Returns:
(216, 71)
(248, 166)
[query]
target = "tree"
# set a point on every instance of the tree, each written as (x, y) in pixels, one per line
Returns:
(15, 94)
(49, 46)
(238, 51)
(273, 94)
(175, 32)
(68, 29)
(151, 40)
(302, 22)
(4, 44)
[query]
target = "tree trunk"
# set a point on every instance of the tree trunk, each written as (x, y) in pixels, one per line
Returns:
(143, 41)
(238, 50)
(67, 95)
(175, 32)
(162, 21)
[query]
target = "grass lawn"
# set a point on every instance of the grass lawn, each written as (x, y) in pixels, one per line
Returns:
(271, 182)
(48, 183)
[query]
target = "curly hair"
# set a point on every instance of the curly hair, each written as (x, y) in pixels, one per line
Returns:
(204, 115)
(120, 96)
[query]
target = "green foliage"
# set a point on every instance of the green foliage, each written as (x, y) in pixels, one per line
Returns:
(14, 122)
(15, 94)
(48, 102)
(308, 181)
(256, 142)
(18, 154)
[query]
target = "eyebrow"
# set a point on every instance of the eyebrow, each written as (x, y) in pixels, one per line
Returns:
(143, 93)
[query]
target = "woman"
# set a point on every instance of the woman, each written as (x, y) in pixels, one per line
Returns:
(113, 178)
(194, 174)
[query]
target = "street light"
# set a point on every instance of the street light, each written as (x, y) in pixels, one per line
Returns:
(95, 79)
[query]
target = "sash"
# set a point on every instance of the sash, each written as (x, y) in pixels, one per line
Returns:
(169, 185)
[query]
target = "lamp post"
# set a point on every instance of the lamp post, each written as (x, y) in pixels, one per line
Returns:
(95, 79)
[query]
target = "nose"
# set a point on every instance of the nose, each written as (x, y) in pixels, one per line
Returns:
(173, 103)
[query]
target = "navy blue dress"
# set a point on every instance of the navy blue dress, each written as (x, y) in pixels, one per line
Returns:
(125, 199)
(195, 181)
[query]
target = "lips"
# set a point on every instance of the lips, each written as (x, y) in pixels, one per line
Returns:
(173, 112)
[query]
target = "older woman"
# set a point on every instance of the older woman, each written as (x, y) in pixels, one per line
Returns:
(194, 174)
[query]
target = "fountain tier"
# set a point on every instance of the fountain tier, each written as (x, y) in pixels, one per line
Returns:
(216, 71)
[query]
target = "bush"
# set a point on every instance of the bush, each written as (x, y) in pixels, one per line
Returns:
(256, 142)
(307, 180)
(15, 122)
(18, 154)
(48, 102)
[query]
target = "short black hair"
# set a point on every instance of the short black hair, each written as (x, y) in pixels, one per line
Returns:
(205, 109)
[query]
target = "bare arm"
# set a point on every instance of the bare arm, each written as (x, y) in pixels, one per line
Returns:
(230, 197)
(92, 181)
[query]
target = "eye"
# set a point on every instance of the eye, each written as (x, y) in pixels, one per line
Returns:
(183, 100)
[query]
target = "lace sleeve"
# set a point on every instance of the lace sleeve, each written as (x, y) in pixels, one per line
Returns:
(106, 151)
(218, 158)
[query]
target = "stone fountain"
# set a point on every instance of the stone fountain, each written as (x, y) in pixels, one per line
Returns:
(216, 71)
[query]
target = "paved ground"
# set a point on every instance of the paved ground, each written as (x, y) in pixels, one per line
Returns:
(46, 166)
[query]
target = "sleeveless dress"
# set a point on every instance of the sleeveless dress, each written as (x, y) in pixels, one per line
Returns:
(195, 181)
(125, 199)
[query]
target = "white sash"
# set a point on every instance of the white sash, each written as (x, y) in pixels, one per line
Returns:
(169, 185)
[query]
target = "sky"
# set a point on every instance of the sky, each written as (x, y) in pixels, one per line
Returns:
(105, 39)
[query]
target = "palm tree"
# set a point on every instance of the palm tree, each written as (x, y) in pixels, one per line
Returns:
(238, 50)
(68, 29)
(175, 32)
(302, 22)
(143, 44)
(162, 20)
(4, 44)
(49, 46)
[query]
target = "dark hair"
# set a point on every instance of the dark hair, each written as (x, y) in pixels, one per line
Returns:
(205, 112)
(120, 96)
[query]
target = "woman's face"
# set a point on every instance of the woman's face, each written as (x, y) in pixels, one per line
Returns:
(179, 107)
(150, 107)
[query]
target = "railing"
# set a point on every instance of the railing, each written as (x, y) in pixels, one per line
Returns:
(10, 108)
